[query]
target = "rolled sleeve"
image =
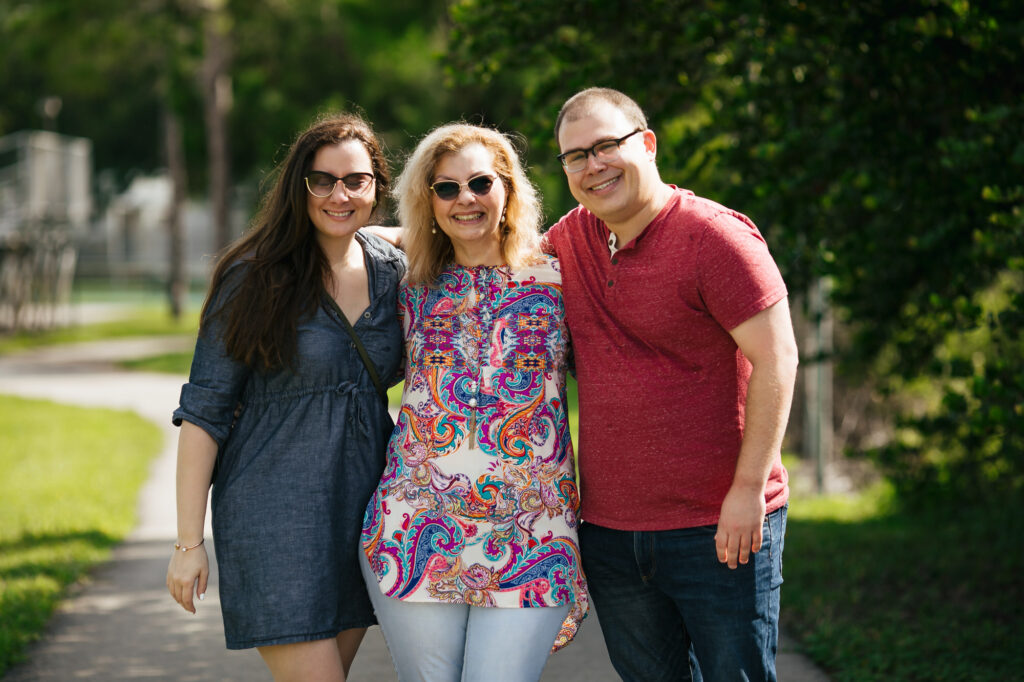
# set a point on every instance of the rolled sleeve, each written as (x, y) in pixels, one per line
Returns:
(215, 384)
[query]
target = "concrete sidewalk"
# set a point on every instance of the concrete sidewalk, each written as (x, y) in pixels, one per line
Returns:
(122, 624)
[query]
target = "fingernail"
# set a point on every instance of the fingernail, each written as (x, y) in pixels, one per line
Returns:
(202, 596)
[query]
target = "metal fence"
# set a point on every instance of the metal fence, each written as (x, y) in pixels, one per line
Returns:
(45, 197)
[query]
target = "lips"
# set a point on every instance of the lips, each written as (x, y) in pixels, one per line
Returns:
(338, 214)
(600, 187)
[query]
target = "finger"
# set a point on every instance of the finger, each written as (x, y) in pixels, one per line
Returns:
(202, 583)
(755, 546)
(721, 546)
(744, 548)
(733, 549)
(186, 600)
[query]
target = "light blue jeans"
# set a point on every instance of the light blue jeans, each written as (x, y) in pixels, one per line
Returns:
(435, 642)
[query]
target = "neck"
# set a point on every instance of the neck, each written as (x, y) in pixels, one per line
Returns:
(471, 255)
(630, 228)
(342, 252)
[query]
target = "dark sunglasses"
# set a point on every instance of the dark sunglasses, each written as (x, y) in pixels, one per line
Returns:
(446, 190)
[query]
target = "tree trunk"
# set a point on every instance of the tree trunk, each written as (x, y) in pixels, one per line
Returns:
(217, 100)
(174, 147)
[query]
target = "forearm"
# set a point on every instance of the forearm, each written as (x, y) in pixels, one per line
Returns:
(769, 397)
(392, 235)
(197, 452)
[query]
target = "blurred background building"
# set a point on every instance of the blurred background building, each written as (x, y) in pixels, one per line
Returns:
(45, 199)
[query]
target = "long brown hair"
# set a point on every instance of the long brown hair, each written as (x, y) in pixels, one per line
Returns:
(428, 251)
(283, 267)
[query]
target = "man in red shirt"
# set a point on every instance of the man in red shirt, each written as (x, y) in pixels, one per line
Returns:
(686, 362)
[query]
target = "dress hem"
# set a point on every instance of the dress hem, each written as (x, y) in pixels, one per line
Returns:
(295, 639)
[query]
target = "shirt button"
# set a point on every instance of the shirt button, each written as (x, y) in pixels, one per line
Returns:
(366, 315)
(615, 261)
(611, 282)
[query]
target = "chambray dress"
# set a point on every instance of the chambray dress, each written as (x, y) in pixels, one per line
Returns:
(295, 468)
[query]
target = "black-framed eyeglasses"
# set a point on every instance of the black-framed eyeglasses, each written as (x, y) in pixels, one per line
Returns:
(446, 190)
(604, 151)
(321, 184)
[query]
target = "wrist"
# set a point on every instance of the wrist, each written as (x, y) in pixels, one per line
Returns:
(749, 485)
(184, 547)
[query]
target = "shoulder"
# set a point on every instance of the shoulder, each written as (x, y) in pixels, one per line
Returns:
(706, 214)
(230, 279)
(545, 269)
(573, 223)
(548, 263)
(381, 251)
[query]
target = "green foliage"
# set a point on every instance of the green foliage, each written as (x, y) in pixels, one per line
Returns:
(114, 63)
(109, 61)
(879, 144)
(296, 59)
(69, 490)
(873, 593)
(971, 445)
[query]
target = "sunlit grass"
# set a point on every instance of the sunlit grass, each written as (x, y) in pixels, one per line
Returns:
(167, 363)
(145, 321)
(69, 480)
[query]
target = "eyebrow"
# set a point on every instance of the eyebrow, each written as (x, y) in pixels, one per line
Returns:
(317, 170)
(472, 175)
(590, 146)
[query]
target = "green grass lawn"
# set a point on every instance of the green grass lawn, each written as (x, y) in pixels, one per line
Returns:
(873, 593)
(143, 321)
(68, 492)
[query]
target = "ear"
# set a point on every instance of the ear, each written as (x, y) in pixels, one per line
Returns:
(650, 142)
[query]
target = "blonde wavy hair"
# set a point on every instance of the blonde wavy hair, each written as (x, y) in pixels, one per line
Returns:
(429, 253)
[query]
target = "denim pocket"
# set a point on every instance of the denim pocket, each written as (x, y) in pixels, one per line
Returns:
(775, 536)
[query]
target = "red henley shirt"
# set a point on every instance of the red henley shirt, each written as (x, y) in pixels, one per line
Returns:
(662, 385)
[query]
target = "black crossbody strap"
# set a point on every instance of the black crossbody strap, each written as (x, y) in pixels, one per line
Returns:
(347, 326)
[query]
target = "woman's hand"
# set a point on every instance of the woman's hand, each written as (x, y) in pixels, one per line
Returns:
(187, 576)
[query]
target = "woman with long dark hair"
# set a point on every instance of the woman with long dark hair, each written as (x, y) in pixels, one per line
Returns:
(285, 412)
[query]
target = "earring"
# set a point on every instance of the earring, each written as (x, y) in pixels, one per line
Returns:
(433, 230)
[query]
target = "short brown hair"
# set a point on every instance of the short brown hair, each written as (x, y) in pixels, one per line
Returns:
(580, 103)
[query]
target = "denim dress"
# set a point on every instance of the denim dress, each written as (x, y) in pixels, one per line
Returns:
(300, 453)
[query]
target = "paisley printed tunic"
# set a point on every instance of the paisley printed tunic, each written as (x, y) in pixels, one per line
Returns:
(478, 503)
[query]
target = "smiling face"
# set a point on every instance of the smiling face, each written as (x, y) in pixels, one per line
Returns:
(340, 214)
(472, 222)
(614, 191)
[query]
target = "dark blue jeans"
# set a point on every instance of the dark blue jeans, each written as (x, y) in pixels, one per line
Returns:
(670, 611)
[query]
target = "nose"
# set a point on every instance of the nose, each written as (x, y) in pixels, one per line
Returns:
(339, 189)
(598, 164)
(466, 195)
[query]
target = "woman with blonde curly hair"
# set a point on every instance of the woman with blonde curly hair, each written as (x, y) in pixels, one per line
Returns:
(471, 556)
